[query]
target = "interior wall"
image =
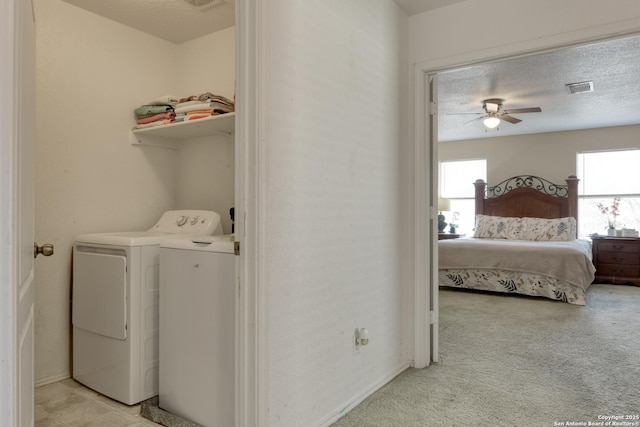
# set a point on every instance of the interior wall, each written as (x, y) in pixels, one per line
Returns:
(334, 206)
(90, 74)
(549, 155)
(206, 166)
(480, 26)
(207, 64)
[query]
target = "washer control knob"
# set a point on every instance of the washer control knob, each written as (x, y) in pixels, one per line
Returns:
(194, 220)
(182, 220)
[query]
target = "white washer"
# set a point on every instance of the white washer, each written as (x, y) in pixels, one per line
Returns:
(197, 329)
(115, 304)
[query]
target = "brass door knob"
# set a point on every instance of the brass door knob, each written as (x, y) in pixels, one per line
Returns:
(46, 249)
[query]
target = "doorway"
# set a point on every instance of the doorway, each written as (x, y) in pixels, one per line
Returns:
(426, 89)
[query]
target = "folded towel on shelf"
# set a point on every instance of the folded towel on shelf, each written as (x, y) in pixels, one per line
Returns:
(156, 117)
(222, 109)
(168, 109)
(184, 107)
(196, 116)
(164, 100)
(147, 110)
(208, 111)
(191, 103)
(152, 124)
(208, 96)
(187, 99)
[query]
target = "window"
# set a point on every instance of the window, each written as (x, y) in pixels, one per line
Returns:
(604, 175)
(456, 184)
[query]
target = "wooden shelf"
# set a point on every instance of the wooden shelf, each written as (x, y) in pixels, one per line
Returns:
(167, 136)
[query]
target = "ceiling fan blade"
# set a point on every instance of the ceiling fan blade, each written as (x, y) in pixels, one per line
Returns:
(460, 114)
(473, 120)
(510, 119)
(524, 110)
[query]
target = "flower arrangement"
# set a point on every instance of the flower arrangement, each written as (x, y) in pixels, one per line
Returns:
(454, 223)
(611, 211)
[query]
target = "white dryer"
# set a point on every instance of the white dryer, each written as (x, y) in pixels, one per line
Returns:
(115, 304)
(197, 329)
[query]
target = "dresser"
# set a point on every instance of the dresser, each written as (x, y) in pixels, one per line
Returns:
(617, 259)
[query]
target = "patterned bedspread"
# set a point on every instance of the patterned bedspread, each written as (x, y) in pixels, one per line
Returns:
(556, 270)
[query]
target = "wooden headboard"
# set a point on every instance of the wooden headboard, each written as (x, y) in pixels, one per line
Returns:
(529, 196)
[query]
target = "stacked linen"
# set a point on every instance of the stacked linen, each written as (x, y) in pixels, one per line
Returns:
(203, 105)
(157, 112)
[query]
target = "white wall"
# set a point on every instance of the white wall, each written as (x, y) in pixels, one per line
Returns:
(481, 26)
(207, 64)
(335, 204)
(206, 166)
(549, 155)
(91, 74)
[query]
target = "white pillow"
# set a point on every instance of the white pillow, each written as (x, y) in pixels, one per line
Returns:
(513, 228)
(492, 227)
(542, 229)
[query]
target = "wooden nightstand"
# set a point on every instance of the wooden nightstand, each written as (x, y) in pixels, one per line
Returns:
(617, 259)
(446, 236)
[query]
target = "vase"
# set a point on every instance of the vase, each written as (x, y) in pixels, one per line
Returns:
(611, 232)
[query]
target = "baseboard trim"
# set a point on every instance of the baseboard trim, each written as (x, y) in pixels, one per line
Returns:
(356, 400)
(51, 379)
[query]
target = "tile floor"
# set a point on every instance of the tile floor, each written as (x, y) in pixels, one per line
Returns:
(68, 403)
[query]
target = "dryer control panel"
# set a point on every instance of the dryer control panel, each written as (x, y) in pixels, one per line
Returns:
(195, 222)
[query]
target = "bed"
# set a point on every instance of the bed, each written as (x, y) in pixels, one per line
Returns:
(525, 242)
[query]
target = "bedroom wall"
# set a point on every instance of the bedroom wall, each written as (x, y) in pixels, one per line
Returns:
(549, 155)
(335, 204)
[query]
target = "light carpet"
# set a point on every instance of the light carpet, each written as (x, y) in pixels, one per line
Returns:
(508, 360)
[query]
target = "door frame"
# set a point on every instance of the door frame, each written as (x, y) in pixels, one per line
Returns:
(425, 324)
(8, 285)
(252, 337)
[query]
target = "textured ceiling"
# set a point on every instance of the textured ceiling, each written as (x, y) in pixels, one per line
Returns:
(171, 20)
(539, 81)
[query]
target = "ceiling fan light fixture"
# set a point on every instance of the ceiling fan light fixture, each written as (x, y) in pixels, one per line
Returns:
(491, 122)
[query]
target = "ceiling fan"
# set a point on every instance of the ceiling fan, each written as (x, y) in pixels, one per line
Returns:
(494, 113)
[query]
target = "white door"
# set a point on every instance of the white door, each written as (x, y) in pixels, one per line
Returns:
(17, 285)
